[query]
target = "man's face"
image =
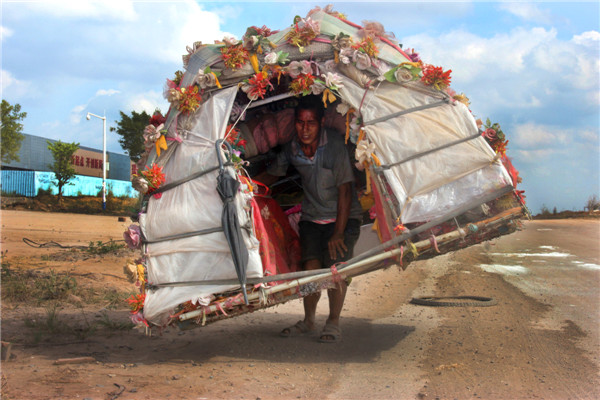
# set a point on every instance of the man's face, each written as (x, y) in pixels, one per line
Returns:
(308, 127)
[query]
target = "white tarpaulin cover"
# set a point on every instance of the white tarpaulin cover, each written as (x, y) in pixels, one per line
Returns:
(190, 207)
(437, 183)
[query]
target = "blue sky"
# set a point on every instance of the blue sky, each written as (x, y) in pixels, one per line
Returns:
(533, 67)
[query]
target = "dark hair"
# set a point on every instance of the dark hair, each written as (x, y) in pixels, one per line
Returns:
(311, 102)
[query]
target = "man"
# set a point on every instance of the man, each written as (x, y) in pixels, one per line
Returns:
(331, 213)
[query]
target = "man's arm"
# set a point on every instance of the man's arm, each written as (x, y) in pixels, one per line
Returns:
(336, 242)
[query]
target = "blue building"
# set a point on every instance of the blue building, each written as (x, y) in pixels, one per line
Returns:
(32, 172)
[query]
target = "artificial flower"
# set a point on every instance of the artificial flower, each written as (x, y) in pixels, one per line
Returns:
(367, 46)
(362, 60)
(234, 56)
(206, 79)
(403, 75)
(297, 68)
(230, 41)
(414, 56)
(302, 84)
(329, 66)
(255, 39)
(188, 99)
(154, 178)
(303, 32)
(490, 135)
(342, 41)
(373, 29)
(257, 86)
(333, 80)
(133, 237)
(157, 119)
(436, 77)
(136, 302)
(271, 58)
(151, 135)
(233, 137)
(140, 184)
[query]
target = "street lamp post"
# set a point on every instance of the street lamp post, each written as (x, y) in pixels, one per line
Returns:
(103, 156)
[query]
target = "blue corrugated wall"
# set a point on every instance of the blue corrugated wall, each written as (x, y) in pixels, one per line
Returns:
(27, 183)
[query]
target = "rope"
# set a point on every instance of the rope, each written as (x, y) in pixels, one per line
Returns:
(424, 153)
(410, 110)
(173, 184)
(185, 235)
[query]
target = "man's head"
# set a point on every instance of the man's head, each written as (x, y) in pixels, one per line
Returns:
(309, 118)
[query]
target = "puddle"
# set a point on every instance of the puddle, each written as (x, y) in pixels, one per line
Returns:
(504, 269)
(553, 254)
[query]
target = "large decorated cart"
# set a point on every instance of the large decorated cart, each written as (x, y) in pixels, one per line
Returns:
(215, 243)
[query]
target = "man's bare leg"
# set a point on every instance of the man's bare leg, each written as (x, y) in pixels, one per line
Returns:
(311, 301)
(336, 303)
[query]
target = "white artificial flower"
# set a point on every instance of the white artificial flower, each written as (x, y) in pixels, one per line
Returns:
(271, 58)
(362, 60)
(333, 80)
(205, 80)
(403, 75)
(230, 41)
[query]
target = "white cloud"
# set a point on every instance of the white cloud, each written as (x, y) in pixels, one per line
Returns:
(527, 11)
(96, 9)
(5, 32)
(12, 87)
(534, 156)
(77, 114)
(587, 38)
(532, 135)
(109, 92)
(524, 70)
(147, 101)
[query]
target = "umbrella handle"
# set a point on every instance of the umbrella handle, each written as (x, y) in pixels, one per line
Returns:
(218, 145)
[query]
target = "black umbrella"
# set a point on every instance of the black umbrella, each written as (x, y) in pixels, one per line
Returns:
(227, 186)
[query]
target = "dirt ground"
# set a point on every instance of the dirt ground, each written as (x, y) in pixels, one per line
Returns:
(541, 341)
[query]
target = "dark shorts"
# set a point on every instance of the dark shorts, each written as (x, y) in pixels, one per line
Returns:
(314, 240)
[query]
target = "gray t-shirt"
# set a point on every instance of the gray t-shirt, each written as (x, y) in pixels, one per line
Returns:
(329, 168)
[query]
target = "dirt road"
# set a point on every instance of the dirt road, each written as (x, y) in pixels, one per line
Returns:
(540, 341)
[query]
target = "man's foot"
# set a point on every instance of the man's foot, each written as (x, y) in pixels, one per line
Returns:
(331, 334)
(300, 328)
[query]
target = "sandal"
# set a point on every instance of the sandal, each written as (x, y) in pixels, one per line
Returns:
(331, 334)
(300, 328)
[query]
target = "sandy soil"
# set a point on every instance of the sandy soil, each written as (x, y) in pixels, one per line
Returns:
(540, 341)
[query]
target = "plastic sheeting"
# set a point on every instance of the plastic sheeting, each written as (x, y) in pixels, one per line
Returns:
(194, 206)
(437, 183)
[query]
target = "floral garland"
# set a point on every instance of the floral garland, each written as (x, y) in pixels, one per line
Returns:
(303, 32)
(436, 77)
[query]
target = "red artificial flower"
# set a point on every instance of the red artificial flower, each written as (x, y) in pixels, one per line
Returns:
(258, 85)
(189, 100)
(436, 77)
(234, 57)
(136, 302)
(302, 84)
(154, 176)
(157, 119)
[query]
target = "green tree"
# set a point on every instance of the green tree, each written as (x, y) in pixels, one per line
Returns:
(131, 129)
(11, 131)
(62, 167)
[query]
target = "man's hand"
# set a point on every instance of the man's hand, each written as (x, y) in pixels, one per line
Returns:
(336, 244)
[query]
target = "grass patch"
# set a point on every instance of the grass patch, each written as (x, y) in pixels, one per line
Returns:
(35, 288)
(100, 247)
